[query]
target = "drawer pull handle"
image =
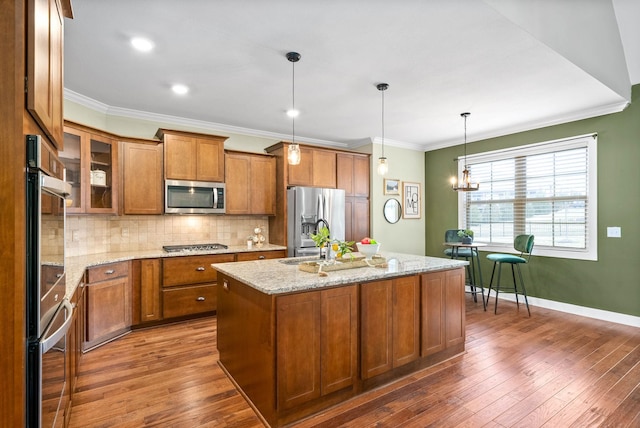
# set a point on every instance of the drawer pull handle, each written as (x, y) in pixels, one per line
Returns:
(261, 257)
(225, 285)
(200, 268)
(200, 299)
(109, 272)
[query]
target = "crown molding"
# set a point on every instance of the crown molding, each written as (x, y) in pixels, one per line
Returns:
(107, 110)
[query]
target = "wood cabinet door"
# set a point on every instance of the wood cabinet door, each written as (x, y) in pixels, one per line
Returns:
(406, 320)
(301, 174)
(352, 174)
(209, 160)
(433, 332)
(44, 67)
(376, 328)
(142, 179)
(298, 348)
(263, 185)
(455, 307)
(324, 169)
(360, 219)
(150, 290)
(339, 338)
(361, 175)
(108, 309)
(237, 182)
(344, 173)
(179, 157)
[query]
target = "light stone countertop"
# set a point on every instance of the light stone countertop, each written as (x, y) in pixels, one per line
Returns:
(75, 266)
(275, 277)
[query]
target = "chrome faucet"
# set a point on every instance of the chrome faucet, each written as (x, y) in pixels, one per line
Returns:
(326, 254)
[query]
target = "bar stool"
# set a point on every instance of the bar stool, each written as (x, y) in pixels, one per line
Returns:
(470, 254)
(523, 244)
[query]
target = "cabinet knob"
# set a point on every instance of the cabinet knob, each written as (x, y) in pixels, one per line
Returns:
(200, 299)
(200, 268)
(261, 257)
(109, 272)
(225, 285)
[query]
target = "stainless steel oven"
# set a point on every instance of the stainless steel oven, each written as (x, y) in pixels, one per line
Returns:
(48, 313)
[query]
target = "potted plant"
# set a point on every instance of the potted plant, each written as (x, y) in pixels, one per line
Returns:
(466, 235)
(321, 239)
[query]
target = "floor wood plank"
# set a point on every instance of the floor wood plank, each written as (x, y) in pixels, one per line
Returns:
(550, 370)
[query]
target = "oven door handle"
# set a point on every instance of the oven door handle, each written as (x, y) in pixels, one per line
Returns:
(49, 342)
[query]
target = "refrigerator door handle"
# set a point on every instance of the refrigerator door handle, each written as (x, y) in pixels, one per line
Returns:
(51, 340)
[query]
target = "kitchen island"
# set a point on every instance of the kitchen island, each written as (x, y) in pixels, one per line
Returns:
(296, 342)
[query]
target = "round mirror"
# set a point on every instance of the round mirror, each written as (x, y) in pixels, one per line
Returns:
(392, 210)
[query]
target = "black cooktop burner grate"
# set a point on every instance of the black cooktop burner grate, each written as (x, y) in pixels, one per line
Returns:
(195, 247)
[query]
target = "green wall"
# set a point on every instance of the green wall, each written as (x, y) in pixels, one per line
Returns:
(613, 282)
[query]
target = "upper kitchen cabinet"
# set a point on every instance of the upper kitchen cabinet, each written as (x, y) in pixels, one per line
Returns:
(142, 187)
(91, 161)
(250, 180)
(317, 168)
(45, 65)
(353, 174)
(195, 157)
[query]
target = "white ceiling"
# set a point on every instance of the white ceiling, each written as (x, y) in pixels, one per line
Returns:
(514, 65)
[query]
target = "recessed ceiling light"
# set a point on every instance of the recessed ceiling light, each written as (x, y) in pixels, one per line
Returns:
(180, 89)
(293, 113)
(142, 44)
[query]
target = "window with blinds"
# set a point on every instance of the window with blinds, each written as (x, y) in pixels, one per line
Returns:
(547, 190)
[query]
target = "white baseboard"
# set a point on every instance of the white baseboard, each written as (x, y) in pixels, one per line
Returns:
(584, 311)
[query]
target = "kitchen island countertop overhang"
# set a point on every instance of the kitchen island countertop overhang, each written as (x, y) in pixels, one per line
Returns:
(280, 276)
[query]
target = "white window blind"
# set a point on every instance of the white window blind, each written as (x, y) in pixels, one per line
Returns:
(547, 190)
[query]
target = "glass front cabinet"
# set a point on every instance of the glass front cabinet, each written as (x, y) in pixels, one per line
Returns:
(91, 167)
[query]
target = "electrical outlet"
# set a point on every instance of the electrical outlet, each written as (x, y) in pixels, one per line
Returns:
(125, 232)
(75, 235)
(614, 232)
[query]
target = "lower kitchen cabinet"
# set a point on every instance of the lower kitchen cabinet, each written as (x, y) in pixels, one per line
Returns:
(74, 347)
(108, 303)
(189, 284)
(443, 308)
(390, 324)
(260, 255)
(316, 344)
(146, 280)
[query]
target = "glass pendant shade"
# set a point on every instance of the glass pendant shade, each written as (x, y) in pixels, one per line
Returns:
(383, 166)
(465, 184)
(293, 154)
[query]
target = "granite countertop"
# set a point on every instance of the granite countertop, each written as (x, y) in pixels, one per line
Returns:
(75, 266)
(278, 276)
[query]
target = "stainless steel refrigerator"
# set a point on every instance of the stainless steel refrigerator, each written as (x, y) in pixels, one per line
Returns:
(310, 208)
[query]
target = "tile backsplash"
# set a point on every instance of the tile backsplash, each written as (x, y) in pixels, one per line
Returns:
(99, 234)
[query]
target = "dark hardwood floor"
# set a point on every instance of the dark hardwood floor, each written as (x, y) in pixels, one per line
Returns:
(550, 370)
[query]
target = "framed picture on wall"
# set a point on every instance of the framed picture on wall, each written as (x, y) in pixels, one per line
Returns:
(391, 186)
(411, 200)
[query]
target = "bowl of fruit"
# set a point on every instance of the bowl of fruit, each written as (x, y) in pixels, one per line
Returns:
(369, 247)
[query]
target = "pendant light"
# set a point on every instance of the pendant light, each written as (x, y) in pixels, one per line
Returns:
(383, 165)
(465, 184)
(293, 154)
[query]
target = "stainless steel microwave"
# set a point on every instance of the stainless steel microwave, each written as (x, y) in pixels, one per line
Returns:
(193, 197)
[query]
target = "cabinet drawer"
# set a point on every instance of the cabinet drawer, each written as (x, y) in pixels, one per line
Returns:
(108, 271)
(260, 255)
(192, 269)
(183, 301)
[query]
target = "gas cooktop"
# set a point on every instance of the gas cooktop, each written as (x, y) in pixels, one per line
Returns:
(196, 247)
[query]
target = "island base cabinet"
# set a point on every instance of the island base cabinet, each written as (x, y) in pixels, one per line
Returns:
(390, 317)
(316, 344)
(443, 309)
